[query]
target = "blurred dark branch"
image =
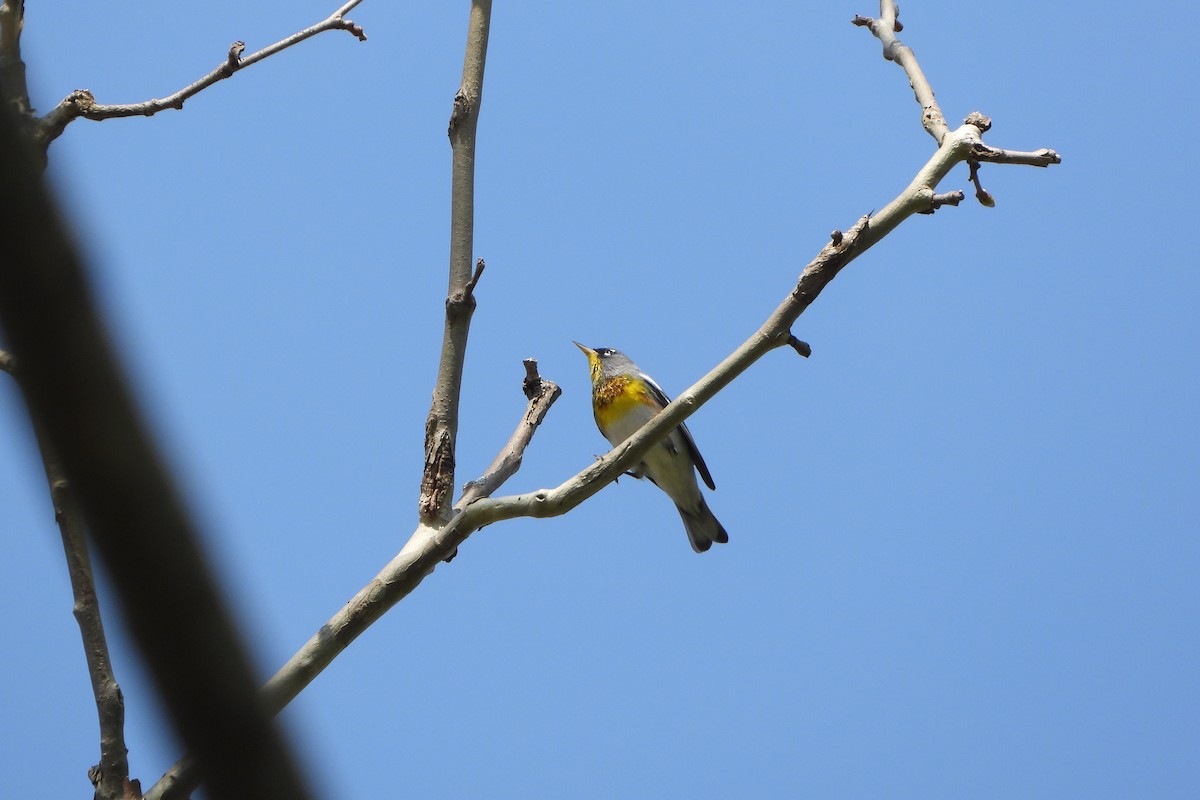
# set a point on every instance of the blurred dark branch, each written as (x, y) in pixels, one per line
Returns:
(111, 776)
(441, 426)
(81, 103)
(78, 397)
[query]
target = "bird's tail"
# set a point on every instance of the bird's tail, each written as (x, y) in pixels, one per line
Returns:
(702, 527)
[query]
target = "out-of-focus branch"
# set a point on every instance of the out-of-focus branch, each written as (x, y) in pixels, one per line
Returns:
(81, 103)
(441, 426)
(77, 395)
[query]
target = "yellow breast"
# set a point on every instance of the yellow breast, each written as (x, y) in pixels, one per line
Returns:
(614, 399)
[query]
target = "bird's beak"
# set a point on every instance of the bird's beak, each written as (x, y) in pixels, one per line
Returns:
(593, 359)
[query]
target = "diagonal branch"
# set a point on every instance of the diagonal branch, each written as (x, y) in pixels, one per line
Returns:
(441, 427)
(541, 394)
(81, 103)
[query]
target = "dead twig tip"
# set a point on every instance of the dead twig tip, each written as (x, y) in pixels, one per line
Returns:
(235, 55)
(471, 284)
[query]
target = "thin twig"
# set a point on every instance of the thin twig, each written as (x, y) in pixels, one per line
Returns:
(81, 103)
(541, 394)
(1035, 158)
(441, 426)
(77, 394)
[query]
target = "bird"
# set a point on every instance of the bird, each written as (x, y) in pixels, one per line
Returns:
(624, 398)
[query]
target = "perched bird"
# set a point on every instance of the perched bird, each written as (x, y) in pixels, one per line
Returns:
(623, 400)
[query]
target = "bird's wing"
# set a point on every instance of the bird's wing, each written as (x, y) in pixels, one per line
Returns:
(661, 397)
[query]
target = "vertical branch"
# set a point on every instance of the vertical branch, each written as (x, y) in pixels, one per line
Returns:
(111, 775)
(75, 390)
(441, 427)
(14, 91)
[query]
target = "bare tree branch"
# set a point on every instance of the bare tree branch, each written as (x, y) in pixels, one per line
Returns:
(81, 103)
(76, 393)
(430, 544)
(434, 540)
(441, 427)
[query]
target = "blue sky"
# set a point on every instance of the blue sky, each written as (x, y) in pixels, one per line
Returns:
(963, 550)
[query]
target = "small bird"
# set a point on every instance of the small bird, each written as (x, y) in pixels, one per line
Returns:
(623, 400)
